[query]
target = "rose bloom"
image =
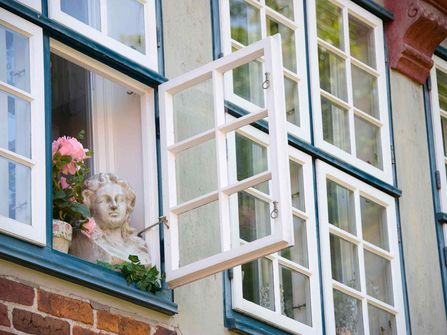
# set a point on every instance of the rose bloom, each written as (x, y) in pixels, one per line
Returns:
(89, 227)
(69, 146)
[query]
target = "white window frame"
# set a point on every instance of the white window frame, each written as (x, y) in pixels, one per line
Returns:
(324, 172)
(34, 4)
(148, 59)
(36, 232)
(282, 235)
(275, 317)
(104, 155)
(437, 112)
(361, 14)
(300, 77)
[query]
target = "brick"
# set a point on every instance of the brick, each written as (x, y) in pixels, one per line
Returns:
(107, 321)
(61, 306)
(16, 292)
(128, 326)
(33, 323)
(164, 331)
(4, 319)
(83, 331)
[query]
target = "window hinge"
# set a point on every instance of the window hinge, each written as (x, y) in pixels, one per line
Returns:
(220, 55)
(445, 256)
(438, 180)
(158, 38)
(393, 155)
(429, 83)
(161, 220)
(230, 274)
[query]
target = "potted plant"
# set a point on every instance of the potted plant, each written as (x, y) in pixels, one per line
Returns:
(68, 174)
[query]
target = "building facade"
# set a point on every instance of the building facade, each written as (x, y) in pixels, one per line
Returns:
(296, 148)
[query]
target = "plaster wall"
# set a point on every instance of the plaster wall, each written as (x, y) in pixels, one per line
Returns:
(423, 277)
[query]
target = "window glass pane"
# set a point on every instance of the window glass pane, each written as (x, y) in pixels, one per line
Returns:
(348, 315)
(298, 253)
(251, 158)
(247, 82)
(297, 185)
(15, 185)
(330, 23)
(335, 125)
(367, 139)
(15, 130)
(288, 42)
(14, 59)
(378, 277)
(252, 213)
(199, 233)
(374, 225)
(332, 73)
(257, 283)
(285, 7)
(442, 89)
(381, 322)
(365, 92)
(191, 184)
(344, 262)
(292, 101)
(340, 207)
(245, 22)
(295, 295)
(444, 134)
(125, 23)
(193, 110)
(86, 11)
(361, 41)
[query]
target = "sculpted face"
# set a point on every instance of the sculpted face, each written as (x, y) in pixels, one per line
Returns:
(110, 206)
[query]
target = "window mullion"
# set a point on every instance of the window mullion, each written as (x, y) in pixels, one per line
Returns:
(103, 16)
(276, 285)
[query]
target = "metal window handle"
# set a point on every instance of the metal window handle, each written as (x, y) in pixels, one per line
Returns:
(266, 83)
(275, 212)
(161, 219)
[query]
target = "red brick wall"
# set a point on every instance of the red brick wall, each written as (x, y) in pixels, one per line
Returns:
(37, 310)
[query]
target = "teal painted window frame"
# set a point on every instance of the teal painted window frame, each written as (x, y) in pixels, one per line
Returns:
(50, 261)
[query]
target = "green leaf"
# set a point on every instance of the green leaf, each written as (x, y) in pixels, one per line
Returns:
(134, 258)
(80, 209)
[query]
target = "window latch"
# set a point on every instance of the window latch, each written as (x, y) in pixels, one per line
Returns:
(266, 83)
(275, 211)
(161, 220)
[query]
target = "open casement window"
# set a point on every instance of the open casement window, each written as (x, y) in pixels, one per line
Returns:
(246, 21)
(22, 142)
(208, 232)
(438, 77)
(360, 256)
(117, 114)
(351, 118)
(125, 26)
(281, 288)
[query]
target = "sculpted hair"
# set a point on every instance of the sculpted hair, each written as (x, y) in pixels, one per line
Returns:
(97, 181)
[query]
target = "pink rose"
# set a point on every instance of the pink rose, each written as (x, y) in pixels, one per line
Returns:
(89, 227)
(64, 183)
(69, 146)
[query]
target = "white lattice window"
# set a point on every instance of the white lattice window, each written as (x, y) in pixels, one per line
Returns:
(360, 256)
(282, 288)
(199, 184)
(246, 21)
(125, 26)
(22, 142)
(349, 85)
(438, 77)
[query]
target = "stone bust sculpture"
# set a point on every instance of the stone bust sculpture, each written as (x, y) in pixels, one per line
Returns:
(111, 202)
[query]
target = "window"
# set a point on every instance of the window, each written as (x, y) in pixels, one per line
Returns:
(200, 184)
(360, 256)
(34, 4)
(282, 288)
(130, 32)
(22, 163)
(245, 22)
(349, 85)
(117, 114)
